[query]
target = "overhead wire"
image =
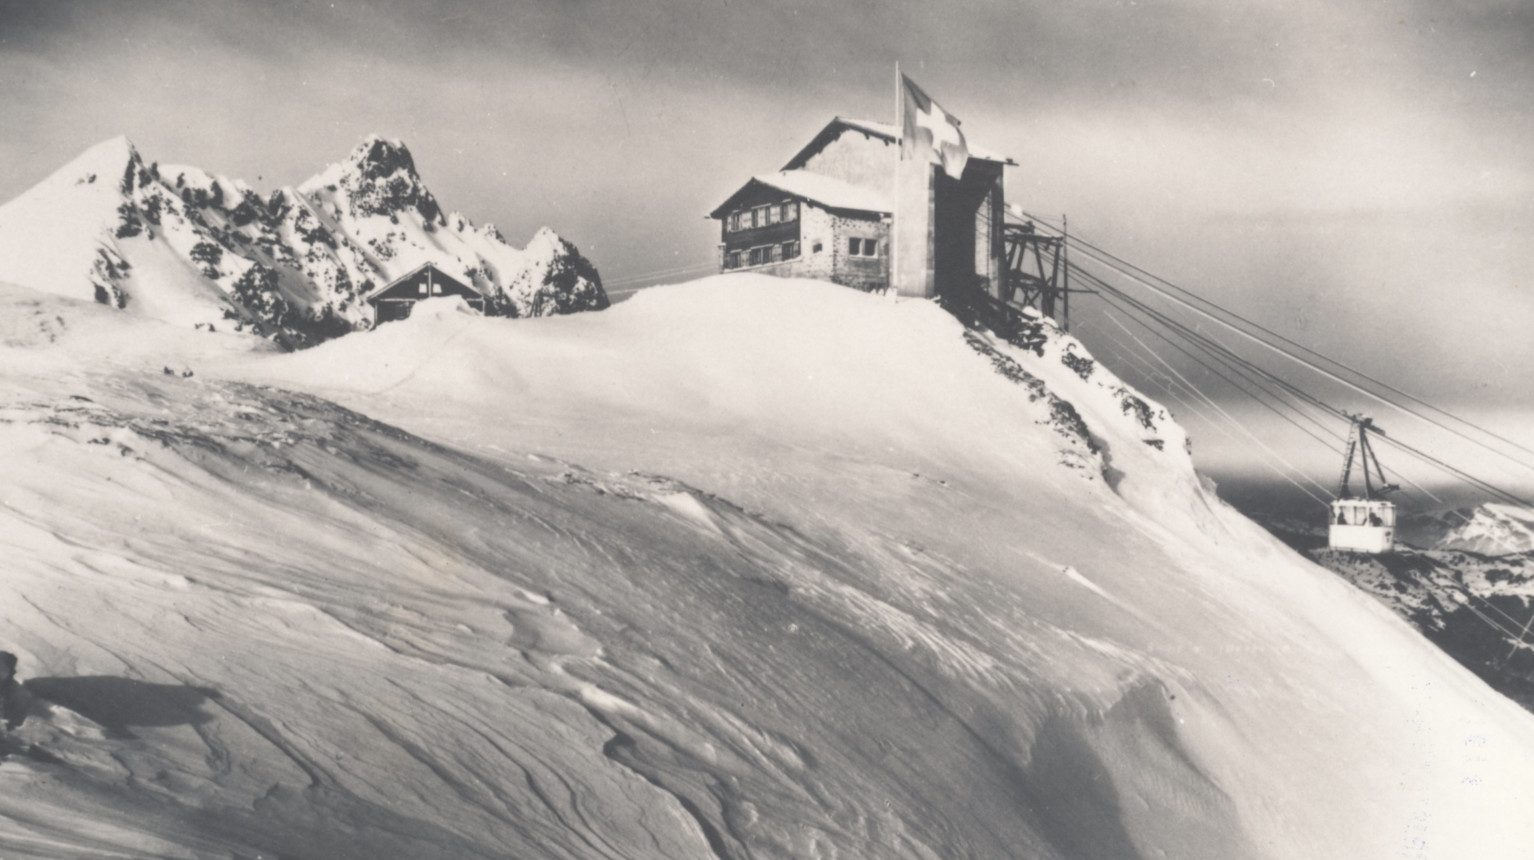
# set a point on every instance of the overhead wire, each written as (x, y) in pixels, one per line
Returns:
(1165, 382)
(1234, 368)
(1201, 340)
(1193, 302)
(661, 273)
(1216, 407)
(1300, 407)
(1229, 359)
(1448, 468)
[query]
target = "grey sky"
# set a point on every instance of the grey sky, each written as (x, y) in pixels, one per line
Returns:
(1357, 174)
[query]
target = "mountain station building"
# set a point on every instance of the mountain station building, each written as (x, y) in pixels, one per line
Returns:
(836, 210)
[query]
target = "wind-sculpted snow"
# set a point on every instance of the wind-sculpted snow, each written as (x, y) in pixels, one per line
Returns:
(740, 569)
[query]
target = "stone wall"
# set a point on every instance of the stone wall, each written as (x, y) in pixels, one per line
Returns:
(859, 272)
(816, 228)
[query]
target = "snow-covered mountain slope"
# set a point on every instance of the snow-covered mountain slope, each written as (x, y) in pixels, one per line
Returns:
(180, 245)
(742, 568)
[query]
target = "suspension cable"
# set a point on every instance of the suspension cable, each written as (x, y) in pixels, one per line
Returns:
(1176, 294)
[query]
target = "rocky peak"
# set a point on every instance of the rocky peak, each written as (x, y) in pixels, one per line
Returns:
(555, 279)
(377, 178)
(377, 157)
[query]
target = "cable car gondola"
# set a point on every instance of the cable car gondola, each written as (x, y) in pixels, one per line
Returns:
(1366, 524)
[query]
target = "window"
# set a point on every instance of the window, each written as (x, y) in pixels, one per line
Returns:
(732, 260)
(756, 218)
(734, 222)
(423, 288)
(790, 250)
(772, 214)
(817, 248)
(863, 247)
(756, 256)
(789, 211)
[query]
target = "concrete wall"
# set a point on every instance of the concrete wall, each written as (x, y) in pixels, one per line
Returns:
(914, 201)
(977, 199)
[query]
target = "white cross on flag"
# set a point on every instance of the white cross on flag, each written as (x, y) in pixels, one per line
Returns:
(929, 133)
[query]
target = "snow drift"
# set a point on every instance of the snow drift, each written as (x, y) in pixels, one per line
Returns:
(178, 244)
(740, 568)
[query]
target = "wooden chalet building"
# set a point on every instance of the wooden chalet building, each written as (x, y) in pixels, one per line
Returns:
(831, 213)
(799, 224)
(394, 300)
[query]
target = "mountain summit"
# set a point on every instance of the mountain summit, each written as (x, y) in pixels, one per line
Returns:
(379, 178)
(179, 244)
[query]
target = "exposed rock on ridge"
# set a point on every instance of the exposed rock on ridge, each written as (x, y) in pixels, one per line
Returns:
(180, 244)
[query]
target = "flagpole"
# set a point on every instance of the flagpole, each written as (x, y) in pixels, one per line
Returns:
(895, 183)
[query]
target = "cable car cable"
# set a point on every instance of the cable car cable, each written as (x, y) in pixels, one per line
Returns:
(1130, 270)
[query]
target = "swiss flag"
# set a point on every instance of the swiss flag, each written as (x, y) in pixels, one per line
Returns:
(929, 133)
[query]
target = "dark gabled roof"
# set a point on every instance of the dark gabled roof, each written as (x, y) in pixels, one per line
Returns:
(826, 191)
(881, 130)
(416, 271)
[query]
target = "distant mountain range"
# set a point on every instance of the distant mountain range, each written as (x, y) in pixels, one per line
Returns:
(1490, 529)
(179, 244)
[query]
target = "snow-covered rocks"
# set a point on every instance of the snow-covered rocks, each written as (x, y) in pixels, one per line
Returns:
(1493, 529)
(179, 244)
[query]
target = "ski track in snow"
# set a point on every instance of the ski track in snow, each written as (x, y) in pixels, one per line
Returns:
(744, 568)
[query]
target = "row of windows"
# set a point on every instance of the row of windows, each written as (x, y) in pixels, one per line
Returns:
(1362, 515)
(761, 216)
(863, 247)
(762, 256)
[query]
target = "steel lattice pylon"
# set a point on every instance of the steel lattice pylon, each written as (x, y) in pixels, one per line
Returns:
(1034, 264)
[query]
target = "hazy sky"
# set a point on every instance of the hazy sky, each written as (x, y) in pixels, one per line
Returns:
(1357, 174)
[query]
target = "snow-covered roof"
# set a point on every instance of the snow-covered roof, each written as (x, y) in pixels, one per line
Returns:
(825, 190)
(882, 130)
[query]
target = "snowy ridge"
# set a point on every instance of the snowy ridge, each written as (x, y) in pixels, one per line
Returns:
(178, 244)
(1493, 529)
(742, 568)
